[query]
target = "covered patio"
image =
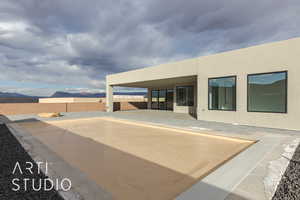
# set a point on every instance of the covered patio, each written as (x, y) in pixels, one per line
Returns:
(178, 94)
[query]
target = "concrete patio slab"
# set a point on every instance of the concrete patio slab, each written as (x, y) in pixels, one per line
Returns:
(134, 160)
(82, 188)
(242, 181)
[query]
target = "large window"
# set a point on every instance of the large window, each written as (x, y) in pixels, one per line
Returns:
(267, 92)
(222, 93)
(185, 96)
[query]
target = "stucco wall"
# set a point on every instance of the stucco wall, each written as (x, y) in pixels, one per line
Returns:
(68, 100)
(30, 108)
(273, 57)
(35, 108)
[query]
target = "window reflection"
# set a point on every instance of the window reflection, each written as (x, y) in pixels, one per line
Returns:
(267, 92)
(222, 93)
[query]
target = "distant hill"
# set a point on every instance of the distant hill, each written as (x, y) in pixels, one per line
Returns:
(10, 94)
(10, 97)
(93, 95)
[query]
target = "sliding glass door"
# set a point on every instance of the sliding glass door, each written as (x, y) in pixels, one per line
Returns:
(162, 99)
(169, 102)
(154, 99)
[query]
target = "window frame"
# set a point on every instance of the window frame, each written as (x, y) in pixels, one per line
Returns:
(286, 91)
(186, 86)
(221, 77)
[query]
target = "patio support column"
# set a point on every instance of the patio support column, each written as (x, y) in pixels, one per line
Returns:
(202, 92)
(148, 98)
(174, 98)
(109, 98)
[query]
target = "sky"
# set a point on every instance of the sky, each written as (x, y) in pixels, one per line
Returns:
(71, 45)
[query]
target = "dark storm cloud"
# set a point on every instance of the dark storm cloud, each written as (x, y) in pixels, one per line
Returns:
(77, 42)
(199, 16)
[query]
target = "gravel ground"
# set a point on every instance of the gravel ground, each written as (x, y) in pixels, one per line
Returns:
(289, 186)
(11, 152)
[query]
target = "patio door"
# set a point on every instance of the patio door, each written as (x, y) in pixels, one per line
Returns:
(162, 99)
(169, 100)
(154, 99)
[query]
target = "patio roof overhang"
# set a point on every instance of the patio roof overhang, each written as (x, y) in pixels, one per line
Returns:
(160, 83)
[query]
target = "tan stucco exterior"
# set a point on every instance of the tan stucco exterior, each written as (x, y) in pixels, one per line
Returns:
(277, 56)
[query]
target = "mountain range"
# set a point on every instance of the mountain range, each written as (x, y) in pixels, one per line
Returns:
(67, 94)
(14, 95)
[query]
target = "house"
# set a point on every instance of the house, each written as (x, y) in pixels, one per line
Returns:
(257, 86)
